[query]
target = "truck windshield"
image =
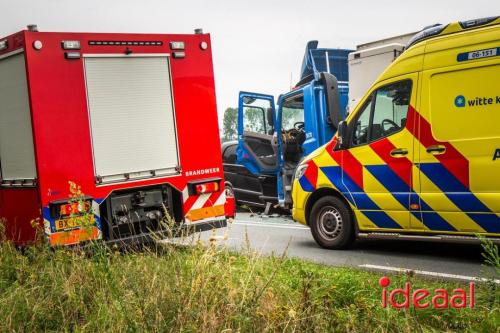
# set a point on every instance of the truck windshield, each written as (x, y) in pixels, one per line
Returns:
(293, 113)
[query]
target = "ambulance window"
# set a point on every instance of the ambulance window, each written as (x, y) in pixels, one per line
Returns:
(360, 134)
(391, 109)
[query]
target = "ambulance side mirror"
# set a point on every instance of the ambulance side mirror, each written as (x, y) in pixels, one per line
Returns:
(342, 135)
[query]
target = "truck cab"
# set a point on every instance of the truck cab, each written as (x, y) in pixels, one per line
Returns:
(273, 139)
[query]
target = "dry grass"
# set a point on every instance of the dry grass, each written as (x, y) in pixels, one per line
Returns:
(206, 289)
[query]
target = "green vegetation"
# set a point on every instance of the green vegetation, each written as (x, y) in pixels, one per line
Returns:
(203, 288)
(230, 125)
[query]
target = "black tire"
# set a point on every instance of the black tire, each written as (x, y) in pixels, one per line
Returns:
(228, 187)
(331, 223)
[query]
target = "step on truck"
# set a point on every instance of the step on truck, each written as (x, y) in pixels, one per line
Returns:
(418, 158)
(129, 119)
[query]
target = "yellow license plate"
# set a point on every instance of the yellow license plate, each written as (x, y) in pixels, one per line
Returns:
(74, 222)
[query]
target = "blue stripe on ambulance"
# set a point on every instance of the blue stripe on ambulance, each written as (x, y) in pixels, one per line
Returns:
(358, 197)
(460, 195)
(306, 184)
(401, 191)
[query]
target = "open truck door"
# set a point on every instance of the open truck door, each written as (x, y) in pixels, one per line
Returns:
(299, 121)
(257, 142)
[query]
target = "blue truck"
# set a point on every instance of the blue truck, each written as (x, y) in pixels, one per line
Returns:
(272, 139)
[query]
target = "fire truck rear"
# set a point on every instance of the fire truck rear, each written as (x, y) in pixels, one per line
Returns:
(130, 119)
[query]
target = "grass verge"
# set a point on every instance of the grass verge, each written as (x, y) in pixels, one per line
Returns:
(208, 289)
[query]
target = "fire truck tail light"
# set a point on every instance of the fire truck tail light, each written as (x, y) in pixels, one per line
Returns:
(65, 209)
(70, 44)
(207, 187)
(177, 45)
(74, 208)
(3, 44)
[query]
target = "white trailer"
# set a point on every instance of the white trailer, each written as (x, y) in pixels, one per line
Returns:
(369, 61)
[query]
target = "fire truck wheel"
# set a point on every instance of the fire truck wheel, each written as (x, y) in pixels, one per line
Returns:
(228, 187)
(331, 223)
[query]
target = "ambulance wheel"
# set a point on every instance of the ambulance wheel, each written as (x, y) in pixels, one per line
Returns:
(331, 223)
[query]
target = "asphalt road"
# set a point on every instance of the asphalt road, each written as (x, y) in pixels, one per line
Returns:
(275, 235)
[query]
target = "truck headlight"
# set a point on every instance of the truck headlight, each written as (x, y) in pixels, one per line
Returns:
(301, 169)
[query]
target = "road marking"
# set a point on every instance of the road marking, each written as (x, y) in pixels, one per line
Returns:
(269, 225)
(427, 273)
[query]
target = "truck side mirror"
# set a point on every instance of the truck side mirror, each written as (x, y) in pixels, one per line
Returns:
(331, 87)
(342, 135)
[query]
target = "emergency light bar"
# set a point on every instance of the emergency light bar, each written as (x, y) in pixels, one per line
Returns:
(477, 22)
(426, 33)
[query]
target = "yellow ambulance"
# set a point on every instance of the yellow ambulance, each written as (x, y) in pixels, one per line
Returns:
(419, 156)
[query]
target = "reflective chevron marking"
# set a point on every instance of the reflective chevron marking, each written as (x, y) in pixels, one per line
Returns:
(489, 222)
(381, 219)
(391, 181)
(312, 173)
(455, 190)
(400, 191)
(306, 184)
(359, 198)
(452, 160)
(396, 177)
(210, 204)
(401, 167)
(350, 165)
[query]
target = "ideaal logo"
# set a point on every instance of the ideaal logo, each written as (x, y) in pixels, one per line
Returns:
(461, 101)
(400, 298)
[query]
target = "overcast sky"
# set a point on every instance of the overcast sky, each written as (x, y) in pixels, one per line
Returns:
(257, 45)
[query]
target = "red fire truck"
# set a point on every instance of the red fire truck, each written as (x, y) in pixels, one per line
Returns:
(130, 118)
